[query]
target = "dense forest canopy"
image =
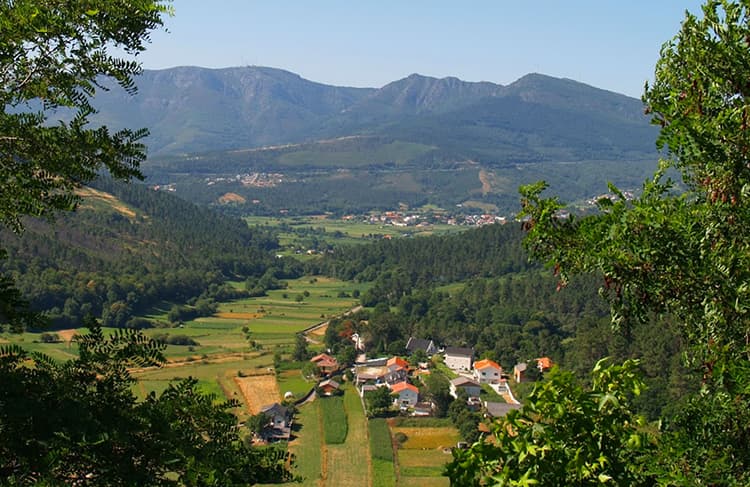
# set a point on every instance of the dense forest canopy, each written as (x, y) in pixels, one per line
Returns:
(128, 248)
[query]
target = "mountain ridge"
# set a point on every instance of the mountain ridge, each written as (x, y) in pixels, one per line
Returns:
(193, 109)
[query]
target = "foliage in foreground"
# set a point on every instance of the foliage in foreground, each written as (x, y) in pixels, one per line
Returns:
(683, 256)
(78, 422)
(565, 435)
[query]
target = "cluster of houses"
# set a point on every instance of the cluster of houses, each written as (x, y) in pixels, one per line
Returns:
(395, 373)
(398, 376)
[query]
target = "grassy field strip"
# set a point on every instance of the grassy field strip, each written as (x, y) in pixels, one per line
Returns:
(307, 446)
(292, 381)
(381, 447)
(334, 419)
(349, 464)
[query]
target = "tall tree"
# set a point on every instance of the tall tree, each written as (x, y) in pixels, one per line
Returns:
(682, 249)
(54, 55)
(78, 422)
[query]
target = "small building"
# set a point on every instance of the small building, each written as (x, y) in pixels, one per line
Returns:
(406, 394)
(279, 422)
(422, 409)
(458, 358)
(487, 372)
(369, 374)
(519, 372)
(498, 409)
(329, 386)
(427, 346)
(397, 363)
(471, 387)
(325, 363)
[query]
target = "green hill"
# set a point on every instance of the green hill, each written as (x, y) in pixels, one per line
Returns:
(128, 248)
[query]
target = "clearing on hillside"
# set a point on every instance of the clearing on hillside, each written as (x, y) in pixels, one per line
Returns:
(258, 391)
(67, 335)
(237, 316)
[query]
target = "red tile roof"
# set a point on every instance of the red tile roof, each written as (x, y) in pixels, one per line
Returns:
(401, 386)
(483, 364)
(321, 356)
(544, 362)
(397, 361)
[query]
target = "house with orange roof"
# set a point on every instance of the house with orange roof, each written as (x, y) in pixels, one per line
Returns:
(396, 363)
(325, 363)
(487, 372)
(544, 364)
(406, 394)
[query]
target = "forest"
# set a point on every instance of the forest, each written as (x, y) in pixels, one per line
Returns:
(118, 259)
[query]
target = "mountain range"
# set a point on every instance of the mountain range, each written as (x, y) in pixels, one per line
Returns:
(193, 110)
(415, 141)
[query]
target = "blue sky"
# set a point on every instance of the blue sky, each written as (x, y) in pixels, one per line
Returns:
(609, 44)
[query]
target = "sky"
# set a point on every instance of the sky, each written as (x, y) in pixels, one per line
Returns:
(610, 44)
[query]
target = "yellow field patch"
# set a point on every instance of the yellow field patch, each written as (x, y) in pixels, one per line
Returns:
(258, 391)
(432, 438)
(237, 316)
(231, 198)
(319, 332)
(67, 335)
(91, 193)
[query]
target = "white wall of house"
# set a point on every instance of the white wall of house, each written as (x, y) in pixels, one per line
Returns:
(458, 362)
(487, 375)
(407, 397)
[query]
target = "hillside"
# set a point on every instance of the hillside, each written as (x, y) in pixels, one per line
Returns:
(415, 141)
(128, 248)
(190, 109)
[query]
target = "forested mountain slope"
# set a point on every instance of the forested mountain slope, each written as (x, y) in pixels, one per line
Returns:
(128, 247)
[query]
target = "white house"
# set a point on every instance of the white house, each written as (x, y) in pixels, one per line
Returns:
(459, 359)
(471, 387)
(407, 394)
(487, 372)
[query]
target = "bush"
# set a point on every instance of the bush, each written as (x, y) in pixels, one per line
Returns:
(138, 323)
(180, 340)
(400, 437)
(49, 338)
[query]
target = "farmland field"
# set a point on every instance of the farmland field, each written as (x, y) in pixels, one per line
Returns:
(258, 391)
(307, 445)
(381, 447)
(349, 463)
(422, 456)
(337, 231)
(334, 419)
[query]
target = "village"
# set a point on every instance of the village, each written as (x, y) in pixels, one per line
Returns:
(396, 385)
